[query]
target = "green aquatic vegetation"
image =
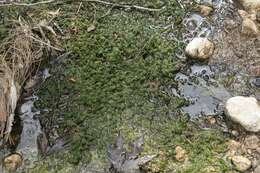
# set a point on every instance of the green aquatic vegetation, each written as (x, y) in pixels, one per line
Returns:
(118, 79)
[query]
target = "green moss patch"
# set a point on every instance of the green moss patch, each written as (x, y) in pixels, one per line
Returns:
(118, 79)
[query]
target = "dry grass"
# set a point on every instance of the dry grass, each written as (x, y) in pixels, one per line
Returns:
(20, 56)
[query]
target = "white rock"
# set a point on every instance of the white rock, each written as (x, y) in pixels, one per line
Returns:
(245, 111)
(251, 5)
(200, 48)
(242, 163)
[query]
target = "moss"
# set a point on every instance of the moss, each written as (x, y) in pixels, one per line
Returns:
(118, 80)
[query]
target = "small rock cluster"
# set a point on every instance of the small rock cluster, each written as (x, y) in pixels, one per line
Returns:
(245, 154)
(242, 110)
(202, 48)
(250, 17)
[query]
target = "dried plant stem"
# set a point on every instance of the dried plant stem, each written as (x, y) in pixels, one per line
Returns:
(27, 4)
(124, 6)
(115, 5)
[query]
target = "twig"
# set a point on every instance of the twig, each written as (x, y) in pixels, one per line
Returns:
(47, 44)
(106, 14)
(79, 7)
(94, 1)
(124, 6)
(27, 4)
(180, 4)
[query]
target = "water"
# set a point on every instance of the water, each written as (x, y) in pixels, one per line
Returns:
(31, 129)
(28, 146)
(197, 83)
(205, 95)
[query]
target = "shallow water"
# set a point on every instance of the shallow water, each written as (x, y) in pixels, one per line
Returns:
(31, 129)
(205, 95)
(28, 145)
(208, 85)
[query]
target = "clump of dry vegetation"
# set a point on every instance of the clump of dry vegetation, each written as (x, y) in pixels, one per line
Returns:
(20, 55)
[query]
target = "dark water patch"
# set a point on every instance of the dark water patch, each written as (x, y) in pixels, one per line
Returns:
(206, 95)
(255, 82)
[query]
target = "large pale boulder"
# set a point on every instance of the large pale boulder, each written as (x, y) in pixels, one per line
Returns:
(245, 111)
(200, 48)
(251, 5)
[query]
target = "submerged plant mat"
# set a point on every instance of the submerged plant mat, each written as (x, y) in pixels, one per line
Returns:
(20, 55)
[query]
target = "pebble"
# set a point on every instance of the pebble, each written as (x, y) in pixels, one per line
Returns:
(241, 163)
(205, 10)
(252, 142)
(200, 48)
(249, 27)
(12, 162)
(181, 154)
(235, 133)
(256, 82)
